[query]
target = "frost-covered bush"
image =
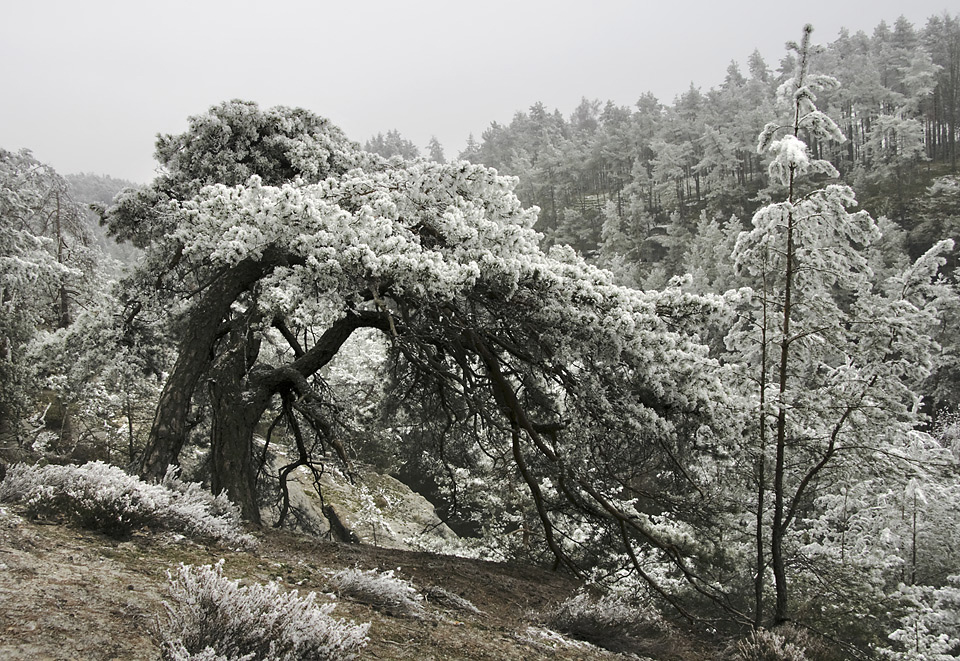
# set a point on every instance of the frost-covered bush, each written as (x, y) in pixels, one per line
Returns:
(450, 599)
(541, 638)
(196, 510)
(786, 643)
(382, 590)
(105, 498)
(609, 622)
(213, 618)
(95, 495)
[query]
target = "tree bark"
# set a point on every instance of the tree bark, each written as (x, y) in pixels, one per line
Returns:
(203, 326)
(239, 392)
(761, 465)
(234, 418)
(240, 395)
(779, 523)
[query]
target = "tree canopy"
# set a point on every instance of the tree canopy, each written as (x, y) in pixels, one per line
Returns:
(555, 370)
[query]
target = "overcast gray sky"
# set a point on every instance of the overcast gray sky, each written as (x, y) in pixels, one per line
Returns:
(87, 85)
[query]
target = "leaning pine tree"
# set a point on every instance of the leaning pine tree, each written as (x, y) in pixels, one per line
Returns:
(270, 239)
(837, 357)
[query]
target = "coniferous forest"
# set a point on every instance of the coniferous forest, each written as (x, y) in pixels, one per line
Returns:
(702, 356)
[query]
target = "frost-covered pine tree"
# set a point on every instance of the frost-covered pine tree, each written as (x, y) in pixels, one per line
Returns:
(47, 266)
(836, 357)
(535, 367)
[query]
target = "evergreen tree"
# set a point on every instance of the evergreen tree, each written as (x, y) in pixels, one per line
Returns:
(546, 371)
(838, 359)
(47, 267)
(392, 144)
(435, 150)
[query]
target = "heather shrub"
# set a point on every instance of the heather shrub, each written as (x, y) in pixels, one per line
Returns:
(213, 618)
(785, 643)
(95, 495)
(450, 600)
(610, 622)
(104, 497)
(382, 590)
(197, 511)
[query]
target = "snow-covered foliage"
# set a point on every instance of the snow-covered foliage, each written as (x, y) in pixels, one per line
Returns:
(836, 357)
(47, 262)
(786, 643)
(378, 242)
(106, 375)
(929, 623)
(106, 498)
(582, 612)
(890, 522)
(213, 618)
(588, 421)
(357, 380)
(33, 264)
(555, 385)
(448, 599)
(791, 157)
(609, 621)
(380, 589)
(541, 637)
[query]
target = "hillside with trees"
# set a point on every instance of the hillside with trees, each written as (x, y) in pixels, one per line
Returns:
(699, 358)
(615, 180)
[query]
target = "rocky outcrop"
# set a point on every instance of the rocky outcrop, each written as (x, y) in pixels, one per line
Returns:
(372, 509)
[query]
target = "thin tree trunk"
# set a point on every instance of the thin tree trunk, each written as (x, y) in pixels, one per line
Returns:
(780, 523)
(779, 527)
(63, 296)
(761, 468)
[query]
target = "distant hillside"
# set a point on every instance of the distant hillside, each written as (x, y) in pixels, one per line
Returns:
(93, 189)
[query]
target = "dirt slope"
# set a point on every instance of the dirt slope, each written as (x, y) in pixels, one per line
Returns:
(67, 593)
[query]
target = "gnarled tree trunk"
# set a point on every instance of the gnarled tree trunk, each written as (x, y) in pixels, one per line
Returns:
(235, 414)
(203, 327)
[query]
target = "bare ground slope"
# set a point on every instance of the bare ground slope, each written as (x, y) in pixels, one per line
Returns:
(67, 593)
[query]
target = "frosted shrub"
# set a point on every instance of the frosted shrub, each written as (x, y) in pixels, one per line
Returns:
(608, 622)
(104, 497)
(382, 590)
(94, 495)
(784, 644)
(199, 512)
(213, 618)
(450, 600)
